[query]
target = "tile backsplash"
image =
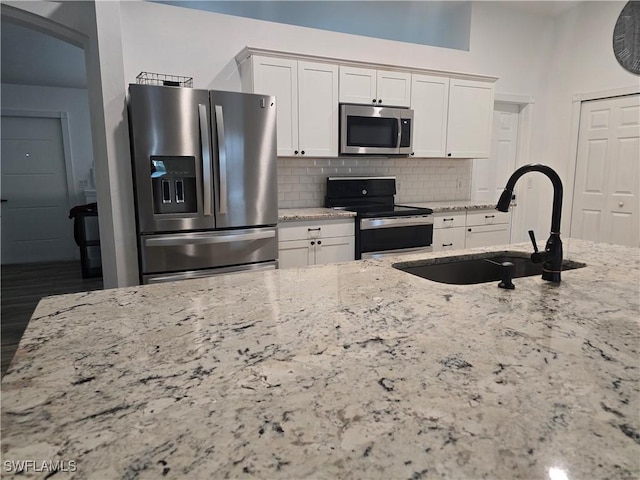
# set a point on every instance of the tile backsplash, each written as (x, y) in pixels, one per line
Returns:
(302, 181)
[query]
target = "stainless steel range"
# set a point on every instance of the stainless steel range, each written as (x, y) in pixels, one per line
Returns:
(382, 227)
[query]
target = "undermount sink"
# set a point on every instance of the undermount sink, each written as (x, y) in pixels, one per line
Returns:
(477, 267)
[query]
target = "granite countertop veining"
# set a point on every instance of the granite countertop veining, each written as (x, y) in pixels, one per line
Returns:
(353, 370)
(455, 205)
(320, 213)
(315, 213)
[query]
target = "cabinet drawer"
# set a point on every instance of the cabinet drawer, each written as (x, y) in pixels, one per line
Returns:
(315, 229)
(448, 239)
(487, 235)
(449, 220)
(487, 217)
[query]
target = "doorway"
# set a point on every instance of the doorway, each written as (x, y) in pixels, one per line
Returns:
(35, 192)
(46, 142)
(605, 199)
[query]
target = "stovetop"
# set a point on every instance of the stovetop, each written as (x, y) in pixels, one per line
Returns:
(377, 210)
(368, 197)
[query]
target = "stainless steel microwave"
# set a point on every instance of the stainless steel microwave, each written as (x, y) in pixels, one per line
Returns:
(369, 130)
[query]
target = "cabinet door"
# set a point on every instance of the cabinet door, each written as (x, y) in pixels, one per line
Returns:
(470, 119)
(487, 217)
(393, 88)
(358, 85)
(318, 109)
(335, 249)
(448, 239)
(487, 235)
(279, 77)
(430, 104)
(295, 253)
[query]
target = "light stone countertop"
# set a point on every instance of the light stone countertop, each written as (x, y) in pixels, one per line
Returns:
(320, 213)
(315, 213)
(455, 205)
(353, 370)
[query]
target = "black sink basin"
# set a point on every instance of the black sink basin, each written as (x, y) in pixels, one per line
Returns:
(476, 268)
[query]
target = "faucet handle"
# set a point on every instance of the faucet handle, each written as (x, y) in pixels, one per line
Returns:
(536, 256)
(532, 236)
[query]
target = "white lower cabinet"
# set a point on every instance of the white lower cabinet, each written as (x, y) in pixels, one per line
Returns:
(478, 228)
(317, 242)
(448, 231)
(486, 228)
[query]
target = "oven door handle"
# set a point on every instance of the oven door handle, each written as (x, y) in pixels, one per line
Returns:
(371, 223)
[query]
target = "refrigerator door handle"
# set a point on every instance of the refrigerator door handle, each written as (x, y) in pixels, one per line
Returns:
(206, 159)
(222, 161)
(175, 240)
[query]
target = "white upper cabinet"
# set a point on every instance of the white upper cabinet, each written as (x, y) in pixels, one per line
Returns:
(306, 102)
(430, 104)
(279, 77)
(470, 118)
(317, 109)
(379, 87)
(357, 85)
(452, 118)
(394, 88)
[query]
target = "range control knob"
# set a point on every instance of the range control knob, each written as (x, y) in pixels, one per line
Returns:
(364, 191)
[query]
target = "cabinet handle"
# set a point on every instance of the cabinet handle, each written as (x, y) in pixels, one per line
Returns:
(374, 100)
(319, 242)
(468, 230)
(295, 152)
(489, 216)
(448, 154)
(447, 244)
(313, 243)
(412, 154)
(447, 219)
(313, 229)
(302, 152)
(379, 100)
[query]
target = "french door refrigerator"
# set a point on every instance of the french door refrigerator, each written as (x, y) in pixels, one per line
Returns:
(205, 180)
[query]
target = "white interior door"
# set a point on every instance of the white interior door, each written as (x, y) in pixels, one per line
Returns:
(35, 207)
(605, 204)
(490, 175)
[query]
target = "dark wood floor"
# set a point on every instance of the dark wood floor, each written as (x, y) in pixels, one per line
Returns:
(22, 288)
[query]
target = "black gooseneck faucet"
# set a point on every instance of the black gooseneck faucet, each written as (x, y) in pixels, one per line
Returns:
(552, 255)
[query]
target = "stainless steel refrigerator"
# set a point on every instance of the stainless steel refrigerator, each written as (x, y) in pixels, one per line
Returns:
(205, 179)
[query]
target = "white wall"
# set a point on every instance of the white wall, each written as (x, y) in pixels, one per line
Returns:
(582, 61)
(167, 39)
(72, 101)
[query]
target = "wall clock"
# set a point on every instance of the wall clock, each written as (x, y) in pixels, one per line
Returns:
(626, 37)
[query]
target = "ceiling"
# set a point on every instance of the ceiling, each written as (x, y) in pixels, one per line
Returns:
(33, 58)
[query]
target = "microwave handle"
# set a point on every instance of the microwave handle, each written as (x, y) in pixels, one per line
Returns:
(399, 127)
